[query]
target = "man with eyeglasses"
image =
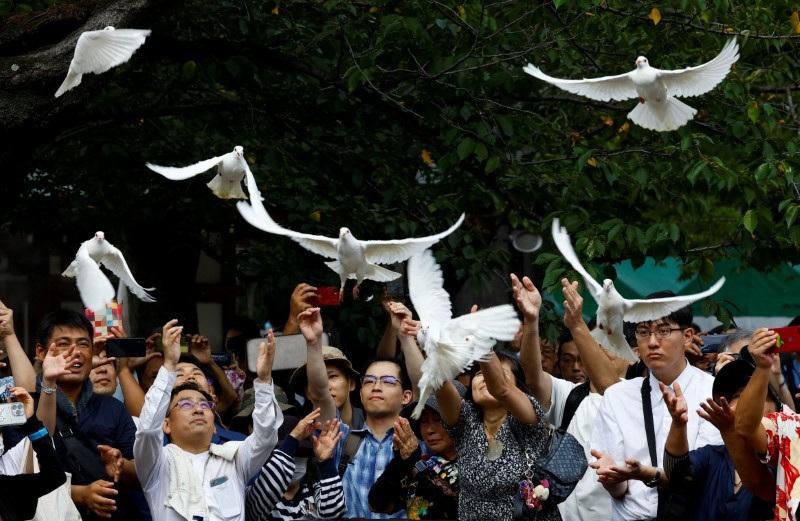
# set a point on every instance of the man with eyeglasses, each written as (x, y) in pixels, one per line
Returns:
(193, 479)
(362, 454)
(621, 444)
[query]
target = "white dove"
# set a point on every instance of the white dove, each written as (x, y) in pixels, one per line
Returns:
(613, 309)
(451, 345)
(95, 289)
(656, 89)
(227, 184)
(354, 259)
(98, 51)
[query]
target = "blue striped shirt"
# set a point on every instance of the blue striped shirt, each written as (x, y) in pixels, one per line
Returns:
(364, 470)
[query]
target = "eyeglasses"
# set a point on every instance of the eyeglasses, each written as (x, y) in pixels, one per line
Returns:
(386, 379)
(661, 332)
(187, 404)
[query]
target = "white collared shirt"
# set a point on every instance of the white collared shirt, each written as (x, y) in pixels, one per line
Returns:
(620, 433)
(223, 480)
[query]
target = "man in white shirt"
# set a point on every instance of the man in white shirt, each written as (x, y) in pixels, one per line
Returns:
(619, 440)
(192, 479)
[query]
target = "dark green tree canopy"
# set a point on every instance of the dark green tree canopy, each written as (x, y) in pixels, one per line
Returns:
(392, 117)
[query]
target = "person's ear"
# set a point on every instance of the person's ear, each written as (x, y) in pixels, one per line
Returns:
(688, 334)
(166, 427)
(352, 384)
(40, 352)
(407, 396)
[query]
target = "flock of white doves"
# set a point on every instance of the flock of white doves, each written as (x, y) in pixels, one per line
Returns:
(450, 344)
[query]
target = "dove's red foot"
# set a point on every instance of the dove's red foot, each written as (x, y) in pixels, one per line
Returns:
(641, 99)
(355, 292)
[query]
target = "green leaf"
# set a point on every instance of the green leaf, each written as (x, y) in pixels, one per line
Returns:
(492, 164)
(750, 221)
(791, 215)
(752, 112)
(465, 148)
(480, 152)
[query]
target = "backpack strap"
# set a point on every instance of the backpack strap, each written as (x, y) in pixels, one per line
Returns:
(351, 446)
(574, 399)
(83, 462)
(647, 409)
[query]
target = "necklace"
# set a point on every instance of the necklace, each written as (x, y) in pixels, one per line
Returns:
(494, 447)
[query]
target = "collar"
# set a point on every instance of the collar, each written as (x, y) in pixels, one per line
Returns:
(366, 430)
(64, 405)
(683, 379)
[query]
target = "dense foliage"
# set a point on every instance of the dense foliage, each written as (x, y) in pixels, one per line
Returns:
(391, 117)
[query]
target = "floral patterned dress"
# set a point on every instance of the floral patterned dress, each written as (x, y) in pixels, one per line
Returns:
(488, 489)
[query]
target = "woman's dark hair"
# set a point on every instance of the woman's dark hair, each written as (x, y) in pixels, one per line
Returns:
(63, 318)
(516, 370)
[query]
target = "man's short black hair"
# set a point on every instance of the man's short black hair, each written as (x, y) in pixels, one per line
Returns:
(404, 378)
(189, 386)
(63, 318)
(683, 317)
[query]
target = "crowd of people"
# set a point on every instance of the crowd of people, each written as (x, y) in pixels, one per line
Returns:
(682, 433)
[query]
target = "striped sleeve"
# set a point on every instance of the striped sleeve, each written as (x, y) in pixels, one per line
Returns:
(328, 492)
(272, 482)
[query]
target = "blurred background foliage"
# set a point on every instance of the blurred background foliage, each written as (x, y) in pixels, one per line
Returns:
(393, 117)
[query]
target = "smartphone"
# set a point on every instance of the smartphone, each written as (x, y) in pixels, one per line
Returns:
(326, 296)
(185, 340)
(126, 347)
(222, 360)
(712, 343)
(12, 414)
(788, 339)
(6, 383)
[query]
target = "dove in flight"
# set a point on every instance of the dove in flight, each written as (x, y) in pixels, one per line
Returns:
(451, 345)
(98, 51)
(613, 309)
(353, 258)
(95, 288)
(227, 184)
(656, 89)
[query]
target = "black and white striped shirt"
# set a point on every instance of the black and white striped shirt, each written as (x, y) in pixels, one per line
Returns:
(322, 499)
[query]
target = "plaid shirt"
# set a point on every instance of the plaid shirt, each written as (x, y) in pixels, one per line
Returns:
(365, 468)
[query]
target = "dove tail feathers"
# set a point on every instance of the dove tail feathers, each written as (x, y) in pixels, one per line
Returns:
(225, 189)
(617, 345)
(72, 80)
(671, 114)
(379, 274)
(423, 397)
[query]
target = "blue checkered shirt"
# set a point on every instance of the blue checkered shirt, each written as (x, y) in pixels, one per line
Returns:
(363, 470)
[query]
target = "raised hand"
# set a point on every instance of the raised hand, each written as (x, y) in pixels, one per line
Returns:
(404, 440)
(112, 459)
(24, 398)
(573, 304)
(56, 365)
(325, 444)
(526, 297)
(102, 359)
(266, 356)
(171, 340)
(306, 426)
(301, 299)
(200, 348)
(676, 403)
(720, 415)
(310, 322)
(6, 321)
(398, 312)
(762, 341)
(410, 327)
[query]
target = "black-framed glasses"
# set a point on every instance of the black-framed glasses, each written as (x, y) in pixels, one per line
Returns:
(387, 379)
(186, 404)
(661, 332)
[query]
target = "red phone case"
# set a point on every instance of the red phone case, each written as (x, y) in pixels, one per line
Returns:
(327, 296)
(788, 339)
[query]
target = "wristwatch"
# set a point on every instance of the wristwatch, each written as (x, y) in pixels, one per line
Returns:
(652, 483)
